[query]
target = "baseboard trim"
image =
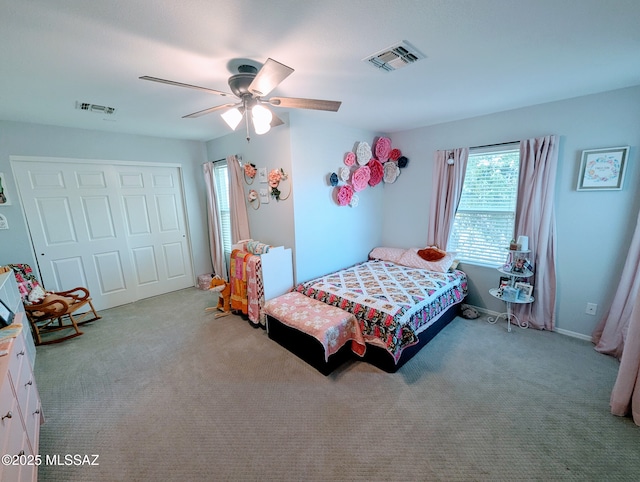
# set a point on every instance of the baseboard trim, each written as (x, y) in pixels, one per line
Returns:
(573, 334)
(560, 331)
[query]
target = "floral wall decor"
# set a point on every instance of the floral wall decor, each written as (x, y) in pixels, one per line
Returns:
(275, 177)
(250, 172)
(366, 167)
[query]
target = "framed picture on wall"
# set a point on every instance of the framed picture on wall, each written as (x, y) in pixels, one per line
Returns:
(262, 174)
(4, 197)
(603, 169)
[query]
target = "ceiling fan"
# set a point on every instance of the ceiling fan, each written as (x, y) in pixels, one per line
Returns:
(250, 86)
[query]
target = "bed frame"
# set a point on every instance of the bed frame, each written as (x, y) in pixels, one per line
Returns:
(311, 350)
(306, 347)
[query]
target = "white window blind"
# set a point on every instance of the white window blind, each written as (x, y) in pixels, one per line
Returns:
(485, 220)
(220, 173)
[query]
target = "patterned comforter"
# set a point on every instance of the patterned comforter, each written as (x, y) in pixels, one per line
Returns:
(392, 303)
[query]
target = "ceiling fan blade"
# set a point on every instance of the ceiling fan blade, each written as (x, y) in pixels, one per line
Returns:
(296, 103)
(268, 77)
(180, 84)
(276, 121)
(208, 111)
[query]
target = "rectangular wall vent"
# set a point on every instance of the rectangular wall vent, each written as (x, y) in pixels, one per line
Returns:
(100, 109)
(395, 57)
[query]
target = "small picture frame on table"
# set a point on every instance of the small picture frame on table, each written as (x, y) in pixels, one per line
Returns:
(603, 169)
(526, 290)
(6, 315)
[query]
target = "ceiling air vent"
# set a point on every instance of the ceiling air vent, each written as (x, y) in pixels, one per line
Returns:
(100, 109)
(395, 57)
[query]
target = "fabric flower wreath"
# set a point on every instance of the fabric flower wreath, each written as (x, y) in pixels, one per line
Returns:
(377, 172)
(250, 170)
(383, 148)
(345, 193)
(275, 176)
(360, 178)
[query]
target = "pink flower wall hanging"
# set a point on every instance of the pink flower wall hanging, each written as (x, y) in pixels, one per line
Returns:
(383, 148)
(274, 177)
(250, 170)
(395, 154)
(345, 193)
(349, 159)
(360, 178)
(377, 172)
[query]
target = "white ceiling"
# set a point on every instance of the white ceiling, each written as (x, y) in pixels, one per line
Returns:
(482, 56)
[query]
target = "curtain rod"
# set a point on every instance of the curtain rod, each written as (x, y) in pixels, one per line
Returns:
(217, 160)
(495, 145)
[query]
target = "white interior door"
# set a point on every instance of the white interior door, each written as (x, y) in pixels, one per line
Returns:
(118, 229)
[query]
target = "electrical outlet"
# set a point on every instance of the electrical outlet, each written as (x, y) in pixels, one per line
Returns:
(591, 309)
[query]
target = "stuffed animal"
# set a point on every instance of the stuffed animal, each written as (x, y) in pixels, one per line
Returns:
(469, 312)
(224, 295)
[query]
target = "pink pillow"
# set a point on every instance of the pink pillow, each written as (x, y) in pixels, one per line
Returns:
(411, 259)
(387, 254)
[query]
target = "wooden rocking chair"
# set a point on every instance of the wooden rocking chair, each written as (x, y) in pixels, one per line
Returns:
(52, 311)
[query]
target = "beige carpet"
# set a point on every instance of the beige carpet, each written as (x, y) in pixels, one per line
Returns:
(161, 390)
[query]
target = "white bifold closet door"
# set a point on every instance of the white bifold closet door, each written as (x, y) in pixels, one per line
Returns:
(118, 229)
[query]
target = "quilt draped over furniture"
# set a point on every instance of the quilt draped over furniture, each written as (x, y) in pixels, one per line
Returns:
(247, 289)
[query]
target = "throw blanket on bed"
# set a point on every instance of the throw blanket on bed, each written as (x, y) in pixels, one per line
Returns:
(329, 325)
(392, 303)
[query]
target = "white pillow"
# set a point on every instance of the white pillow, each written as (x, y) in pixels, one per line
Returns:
(412, 259)
(387, 254)
(36, 294)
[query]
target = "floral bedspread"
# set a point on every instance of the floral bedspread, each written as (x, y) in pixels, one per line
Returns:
(392, 303)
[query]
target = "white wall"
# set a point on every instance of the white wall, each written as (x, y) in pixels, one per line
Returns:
(329, 236)
(271, 223)
(594, 229)
(323, 236)
(23, 139)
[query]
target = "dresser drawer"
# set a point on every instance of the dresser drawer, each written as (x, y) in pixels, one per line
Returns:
(8, 413)
(25, 387)
(17, 356)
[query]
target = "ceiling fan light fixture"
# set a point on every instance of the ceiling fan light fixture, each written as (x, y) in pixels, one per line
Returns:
(262, 118)
(232, 117)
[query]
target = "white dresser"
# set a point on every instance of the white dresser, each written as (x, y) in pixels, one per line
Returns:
(20, 410)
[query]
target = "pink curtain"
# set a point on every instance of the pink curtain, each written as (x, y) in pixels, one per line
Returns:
(535, 218)
(445, 195)
(213, 216)
(618, 334)
(609, 335)
(237, 204)
(625, 397)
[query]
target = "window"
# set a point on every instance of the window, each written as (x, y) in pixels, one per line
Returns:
(485, 220)
(221, 176)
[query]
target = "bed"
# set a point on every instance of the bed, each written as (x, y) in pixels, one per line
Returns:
(400, 302)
